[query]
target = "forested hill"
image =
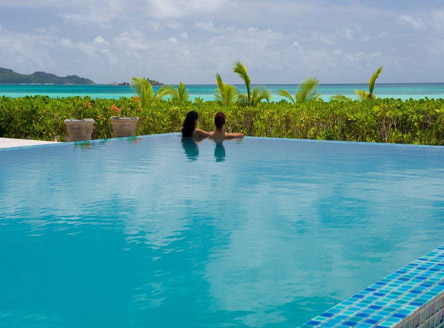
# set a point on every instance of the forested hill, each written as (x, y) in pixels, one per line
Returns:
(8, 76)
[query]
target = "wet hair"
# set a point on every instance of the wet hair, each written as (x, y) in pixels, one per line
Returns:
(189, 125)
(219, 120)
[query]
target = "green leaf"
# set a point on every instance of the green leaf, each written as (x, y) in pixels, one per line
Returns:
(340, 98)
(241, 70)
(286, 94)
(225, 94)
(371, 84)
(307, 90)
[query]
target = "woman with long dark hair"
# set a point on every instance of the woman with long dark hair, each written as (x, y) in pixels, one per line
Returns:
(189, 127)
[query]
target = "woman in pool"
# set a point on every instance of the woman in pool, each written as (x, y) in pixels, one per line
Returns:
(220, 134)
(189, 128)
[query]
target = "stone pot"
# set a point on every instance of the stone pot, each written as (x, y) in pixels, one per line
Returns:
(124, 126)
(80, 129)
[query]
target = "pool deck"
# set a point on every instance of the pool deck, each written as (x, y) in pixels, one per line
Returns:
(12, 143)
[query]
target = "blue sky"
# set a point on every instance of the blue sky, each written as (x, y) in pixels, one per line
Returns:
(280, 41)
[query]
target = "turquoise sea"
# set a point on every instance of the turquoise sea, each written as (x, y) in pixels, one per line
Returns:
(206, 92)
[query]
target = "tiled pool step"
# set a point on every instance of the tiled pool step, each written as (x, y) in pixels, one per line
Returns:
(410, 297)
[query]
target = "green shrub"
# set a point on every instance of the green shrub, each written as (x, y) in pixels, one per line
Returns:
(380, 120)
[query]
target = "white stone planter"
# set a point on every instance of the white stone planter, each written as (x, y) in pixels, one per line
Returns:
(80, 129)
(124, 126)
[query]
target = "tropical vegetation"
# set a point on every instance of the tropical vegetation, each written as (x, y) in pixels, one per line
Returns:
(364, 95)
(226, 94)
(252, 98)
(306, 91)
(179, 94)
(377, 120)
(145, 91)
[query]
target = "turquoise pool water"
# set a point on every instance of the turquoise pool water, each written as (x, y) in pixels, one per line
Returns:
(150, 232)
(206, 92)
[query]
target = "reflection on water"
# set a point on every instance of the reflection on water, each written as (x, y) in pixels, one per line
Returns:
(219, 151)
(90, 144)
(134, 139)
(191, 148)
(84, 144)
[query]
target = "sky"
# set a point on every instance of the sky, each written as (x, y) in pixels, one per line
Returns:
(279, 41)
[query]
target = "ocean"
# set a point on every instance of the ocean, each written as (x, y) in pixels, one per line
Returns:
(206, 92)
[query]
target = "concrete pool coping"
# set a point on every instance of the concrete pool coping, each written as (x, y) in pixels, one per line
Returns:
(15, 143)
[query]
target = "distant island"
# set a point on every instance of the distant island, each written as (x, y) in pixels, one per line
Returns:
(8, 76)
(153, 82)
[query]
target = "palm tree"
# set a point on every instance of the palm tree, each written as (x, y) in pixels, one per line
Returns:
(251, 98)
(226, 94)
(340, 98)
(180, 94)
(144, 90)
(258, 95)
(306, 91)
(241, 70)
(364, 95)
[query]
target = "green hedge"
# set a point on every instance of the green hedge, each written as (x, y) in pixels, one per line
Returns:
(381, 120)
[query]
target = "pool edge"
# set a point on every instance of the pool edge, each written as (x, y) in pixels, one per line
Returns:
(379, 144)
(412, 296)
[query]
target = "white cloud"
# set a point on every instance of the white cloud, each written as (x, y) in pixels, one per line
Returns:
(131, 41)
(348, 34)
(415, 22)
(280, 41)
(173, 40)
(66, 43)
(205, 26)
(100, 40)
(178, 8)
(32, 3)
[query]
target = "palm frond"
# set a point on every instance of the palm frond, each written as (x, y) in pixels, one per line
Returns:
(372, 82)
(230, 94)
(164, 91)
(242, 100)
(340, 98)
(258, 95)
(241, 70)
(307, 90)
(180, 94)
(363, 95)
(144, 90)
(137, 85)
(220, 83)
(220, 92)
(286, 94)
(225, 94)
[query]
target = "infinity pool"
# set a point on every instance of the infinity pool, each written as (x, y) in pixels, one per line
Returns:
(151, 232)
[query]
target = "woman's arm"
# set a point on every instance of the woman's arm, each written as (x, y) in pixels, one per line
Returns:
(198, 133)
(233, 135)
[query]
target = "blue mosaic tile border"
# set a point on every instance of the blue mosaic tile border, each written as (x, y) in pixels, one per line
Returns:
(411, 297)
